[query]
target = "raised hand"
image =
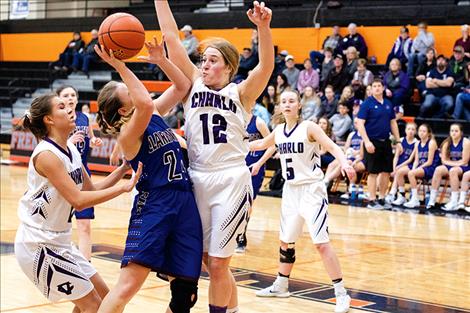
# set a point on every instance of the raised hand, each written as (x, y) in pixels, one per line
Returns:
(95, 142)
(107, 57)
(155, 50)
(260, 15)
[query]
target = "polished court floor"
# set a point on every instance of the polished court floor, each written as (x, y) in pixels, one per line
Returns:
(392, 261)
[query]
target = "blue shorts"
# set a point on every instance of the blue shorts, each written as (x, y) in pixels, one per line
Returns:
(165, 233)
(257, 181)
(429, 171)
(88, 213)
(464, 168)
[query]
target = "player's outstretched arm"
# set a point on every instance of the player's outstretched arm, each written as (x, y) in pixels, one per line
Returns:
(253, 86)
(48, 165)
(176, 51)
(112, 179)
(262, 144)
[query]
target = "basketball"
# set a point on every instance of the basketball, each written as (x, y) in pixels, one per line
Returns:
(123, 33)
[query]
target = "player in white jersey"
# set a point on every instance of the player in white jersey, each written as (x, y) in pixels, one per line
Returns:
(304, 197)
(216, 120)
(58, 184)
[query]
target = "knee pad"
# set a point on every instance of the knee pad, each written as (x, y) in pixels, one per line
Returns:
(287, 256)
(183, 295)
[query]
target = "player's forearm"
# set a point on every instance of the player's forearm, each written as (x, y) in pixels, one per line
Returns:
(112, 179)
(267, 154)
(166, 20)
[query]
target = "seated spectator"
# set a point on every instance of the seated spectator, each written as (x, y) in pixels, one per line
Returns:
(280, 62)
(291, 72)
(422, 42)
(462, 102)
(308, 77)
(353, 39)
(82, 59)
(424, 67)
(327, 65)
(281, 84)
(270, 99)
(260, 111)
(351, 61)
(337, 77)
(331, 43)
(361, 78)
(311, 105)
(341, 122)
(347, 97)
(457, 66)
(329, 104)
(254, 41)
(325, 157)
(190, 43)
(66, 57)
(401, 123)
(464, 41)
(248, 61)
(439, 82)
(397, 84)
(401, 49)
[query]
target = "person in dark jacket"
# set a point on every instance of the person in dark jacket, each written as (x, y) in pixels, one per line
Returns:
(65, 58)
(329, 104)
(337, 77)
(353, 39)
(397, 84)
(401, 49)
(424, 67)
(248, 61)
(82, 59)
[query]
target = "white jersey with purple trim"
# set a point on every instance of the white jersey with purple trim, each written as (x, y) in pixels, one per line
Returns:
(300, 158)
(42, 209)
(215, 127)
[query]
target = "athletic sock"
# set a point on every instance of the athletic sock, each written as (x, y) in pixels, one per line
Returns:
(233, 310)
(414, 193)
(339, 287)
(463, 196)
(217, 309)
(282, 275)
(282, 281)
(401, 190)
(393, 191)
(454, 197)
(432, 197)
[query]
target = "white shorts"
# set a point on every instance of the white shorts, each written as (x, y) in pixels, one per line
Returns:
(59, 272)
(223, 198)
(306, 203)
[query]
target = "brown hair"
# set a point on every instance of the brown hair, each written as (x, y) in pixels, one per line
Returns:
(329, 130)
(61, 88)
(362, 62)
(108, 117)
(229, 52)
(429, 130)
(445, 145)
(34, 119)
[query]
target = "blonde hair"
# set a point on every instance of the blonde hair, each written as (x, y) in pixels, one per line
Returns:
(108, 117)
(278, 117)
(229, 52)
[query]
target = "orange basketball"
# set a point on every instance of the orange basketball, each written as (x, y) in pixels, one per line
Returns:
(123, 33)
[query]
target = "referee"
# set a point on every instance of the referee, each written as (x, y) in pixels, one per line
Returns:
(376, 119)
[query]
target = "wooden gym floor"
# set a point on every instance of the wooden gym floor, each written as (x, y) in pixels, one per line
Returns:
(392, 261)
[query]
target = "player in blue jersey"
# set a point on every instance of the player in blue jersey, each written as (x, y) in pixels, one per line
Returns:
(165, 232)
(426, 159)
(83, 138)
(255, 160)
(455, 156)
(402, 164)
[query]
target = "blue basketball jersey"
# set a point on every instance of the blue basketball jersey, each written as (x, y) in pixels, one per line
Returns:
(407, 150)
(253, 134)
(423, 152)
(356, 141)
(161, 157)
(83, 124)
(456, 152)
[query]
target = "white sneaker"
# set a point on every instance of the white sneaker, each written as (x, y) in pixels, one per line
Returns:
(399, 200)
(344, 196)
(467, 208)
(342, 303)
(461, 206)
(451, 206)
(390, 198)
(273, 291)
(413, 203)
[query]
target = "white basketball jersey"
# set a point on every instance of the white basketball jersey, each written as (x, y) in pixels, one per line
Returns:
(42, 208)
(215, 127)
(300, 158)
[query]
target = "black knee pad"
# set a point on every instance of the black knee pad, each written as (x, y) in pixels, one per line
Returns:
(183, 295)
(287, 256)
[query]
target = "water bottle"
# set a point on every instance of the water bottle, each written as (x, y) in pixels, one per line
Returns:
(373, 60)
(426, 199)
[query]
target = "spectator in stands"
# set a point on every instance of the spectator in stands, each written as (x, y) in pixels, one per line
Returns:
(347, 97)
(337, 77)
(325, 157)
(327, 65)
(401, 49)
(254, 41)
(291, 72)
(308, 77)
(439, 82)
(361, 78)
(270, 99)
(66, 57)
(426, 159)
(397, 84)
(353, 39)
(260, 111)
(465, 40)
(424, 67)
(329, 104)
(83, 59)
(375, 121)
(331, 43)
(281, 84)
(280, 62)
(422, 42)
(351, 61)
(311, 105)
(462, 102)
(455, 157)
(190, 43)
(341, 122)
(457, 66)
(248, 61)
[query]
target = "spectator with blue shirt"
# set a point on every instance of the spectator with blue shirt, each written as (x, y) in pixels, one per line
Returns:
(401, 49)
(375, 121)
(260, 111)
(439, 83)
